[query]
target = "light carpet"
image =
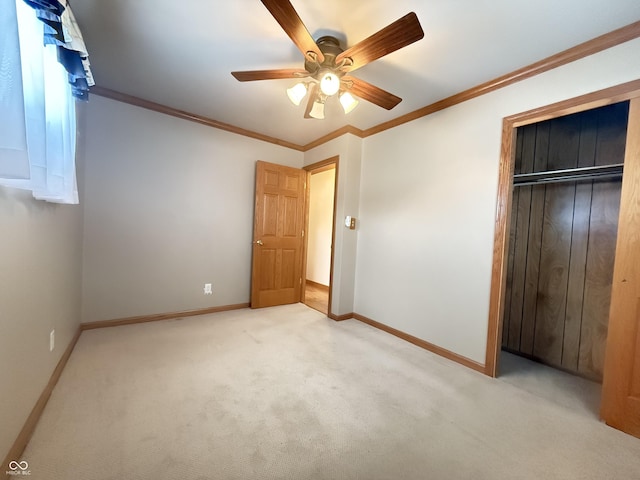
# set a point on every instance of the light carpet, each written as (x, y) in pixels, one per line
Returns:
(285, 393)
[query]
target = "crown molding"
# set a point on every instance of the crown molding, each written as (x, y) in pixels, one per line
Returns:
(335, 134)
(590, 47)
(192, 117)
(598, 44)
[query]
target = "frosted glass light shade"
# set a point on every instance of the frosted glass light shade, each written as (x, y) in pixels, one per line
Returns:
(348, 102)
(330, 84)
(297, 93)
(317, 111)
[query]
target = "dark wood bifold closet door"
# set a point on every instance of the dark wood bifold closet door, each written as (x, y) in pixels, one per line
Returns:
(562, 242)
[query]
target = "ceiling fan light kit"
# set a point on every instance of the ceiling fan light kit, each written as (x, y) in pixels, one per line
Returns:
(329, 86)
(327, 64)
(297, 93)
(317, 110)
(330, 83)
(348, 102)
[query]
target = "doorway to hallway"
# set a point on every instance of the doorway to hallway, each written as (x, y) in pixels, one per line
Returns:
(321, 190)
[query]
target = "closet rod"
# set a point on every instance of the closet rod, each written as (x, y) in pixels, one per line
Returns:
(569, 175)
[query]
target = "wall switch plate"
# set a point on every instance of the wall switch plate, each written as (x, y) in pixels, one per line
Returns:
(52, 340)
(350, 222)
(207, 289)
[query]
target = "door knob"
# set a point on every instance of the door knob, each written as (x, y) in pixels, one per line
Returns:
(259, 242)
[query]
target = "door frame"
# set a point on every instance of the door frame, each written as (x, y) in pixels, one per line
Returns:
(601, 98)
(332, 162)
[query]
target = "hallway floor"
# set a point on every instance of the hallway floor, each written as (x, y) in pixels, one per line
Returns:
(316, 296)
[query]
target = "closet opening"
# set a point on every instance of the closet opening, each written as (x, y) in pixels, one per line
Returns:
(562, 240)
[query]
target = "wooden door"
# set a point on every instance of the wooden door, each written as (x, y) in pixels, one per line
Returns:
(277, 235)
(621, 387)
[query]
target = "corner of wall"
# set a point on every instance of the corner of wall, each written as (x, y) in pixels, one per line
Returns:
(39, 292)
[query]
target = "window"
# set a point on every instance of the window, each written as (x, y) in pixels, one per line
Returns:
(38, 119)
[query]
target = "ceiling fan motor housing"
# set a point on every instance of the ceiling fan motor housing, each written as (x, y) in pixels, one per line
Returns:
(330, 48)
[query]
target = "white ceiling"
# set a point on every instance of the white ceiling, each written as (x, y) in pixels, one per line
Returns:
(181, 53)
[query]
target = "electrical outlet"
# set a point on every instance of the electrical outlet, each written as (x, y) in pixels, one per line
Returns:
(52, 340)
(207, 289)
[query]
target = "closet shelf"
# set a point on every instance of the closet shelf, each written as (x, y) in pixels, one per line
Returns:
(568, 175)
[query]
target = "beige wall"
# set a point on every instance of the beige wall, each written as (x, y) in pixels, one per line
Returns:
(320, 226)
(40, 272)
(169, 207)
(427, 205)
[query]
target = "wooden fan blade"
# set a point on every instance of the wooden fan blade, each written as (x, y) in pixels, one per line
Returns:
(371, 93)
(288, 18)
(252, 75)
(400, 33)
(313, 90)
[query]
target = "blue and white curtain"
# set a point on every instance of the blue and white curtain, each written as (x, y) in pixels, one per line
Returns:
(47, 67)
(61, 29)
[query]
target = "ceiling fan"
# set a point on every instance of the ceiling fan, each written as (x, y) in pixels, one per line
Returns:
(327, 65)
